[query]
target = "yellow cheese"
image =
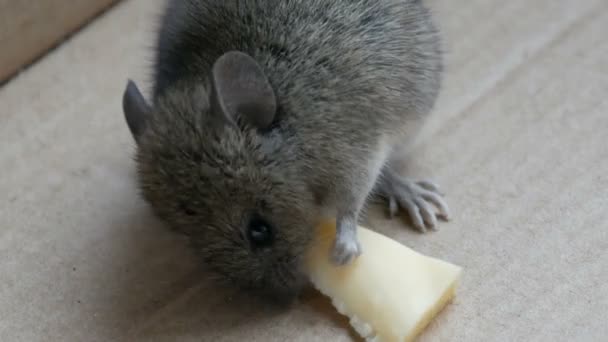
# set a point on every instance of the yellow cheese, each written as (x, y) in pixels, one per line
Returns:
(390, 292)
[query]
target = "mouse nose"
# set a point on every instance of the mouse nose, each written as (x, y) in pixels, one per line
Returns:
(286, 297)
(283, 294)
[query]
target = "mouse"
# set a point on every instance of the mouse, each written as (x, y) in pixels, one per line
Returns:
(266, 115)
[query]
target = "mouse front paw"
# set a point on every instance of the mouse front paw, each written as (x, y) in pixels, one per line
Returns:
(345, 249)
(417, 198)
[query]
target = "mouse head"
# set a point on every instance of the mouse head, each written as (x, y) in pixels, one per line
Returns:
(211, 166)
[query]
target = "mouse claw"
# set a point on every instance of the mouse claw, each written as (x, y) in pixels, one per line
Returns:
(345, 251)
(422, 200)
(430, 186)
(393, 208)
(346, 246)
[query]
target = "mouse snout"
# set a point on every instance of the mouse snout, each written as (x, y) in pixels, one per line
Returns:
(284, 285)
(283, 295)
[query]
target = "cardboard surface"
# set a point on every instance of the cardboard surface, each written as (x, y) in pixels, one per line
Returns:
(29, 28)
(518, 141)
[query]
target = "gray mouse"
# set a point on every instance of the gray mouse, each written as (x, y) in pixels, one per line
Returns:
(266, 115)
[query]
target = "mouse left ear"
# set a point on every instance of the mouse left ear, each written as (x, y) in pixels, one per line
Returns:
(136, 109)
(242, 91)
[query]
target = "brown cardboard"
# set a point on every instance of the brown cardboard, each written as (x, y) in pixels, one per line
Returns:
(29, 28)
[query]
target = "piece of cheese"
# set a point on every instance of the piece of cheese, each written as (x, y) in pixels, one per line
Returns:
(390, 292)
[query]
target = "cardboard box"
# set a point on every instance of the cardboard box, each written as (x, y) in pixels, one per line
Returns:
(29, 28)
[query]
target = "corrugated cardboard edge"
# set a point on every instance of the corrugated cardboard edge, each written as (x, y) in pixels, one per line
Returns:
(29, 29)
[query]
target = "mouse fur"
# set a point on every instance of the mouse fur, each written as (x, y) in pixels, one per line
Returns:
(267, 115)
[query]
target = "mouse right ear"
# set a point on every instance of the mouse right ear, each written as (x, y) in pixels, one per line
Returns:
(136, 109)
(241, 92)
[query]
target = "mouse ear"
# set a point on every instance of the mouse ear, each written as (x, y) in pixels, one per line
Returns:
(241, 90)
(136, 109)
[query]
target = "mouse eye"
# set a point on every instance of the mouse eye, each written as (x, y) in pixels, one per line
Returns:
(186, 209)
(260, 233)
